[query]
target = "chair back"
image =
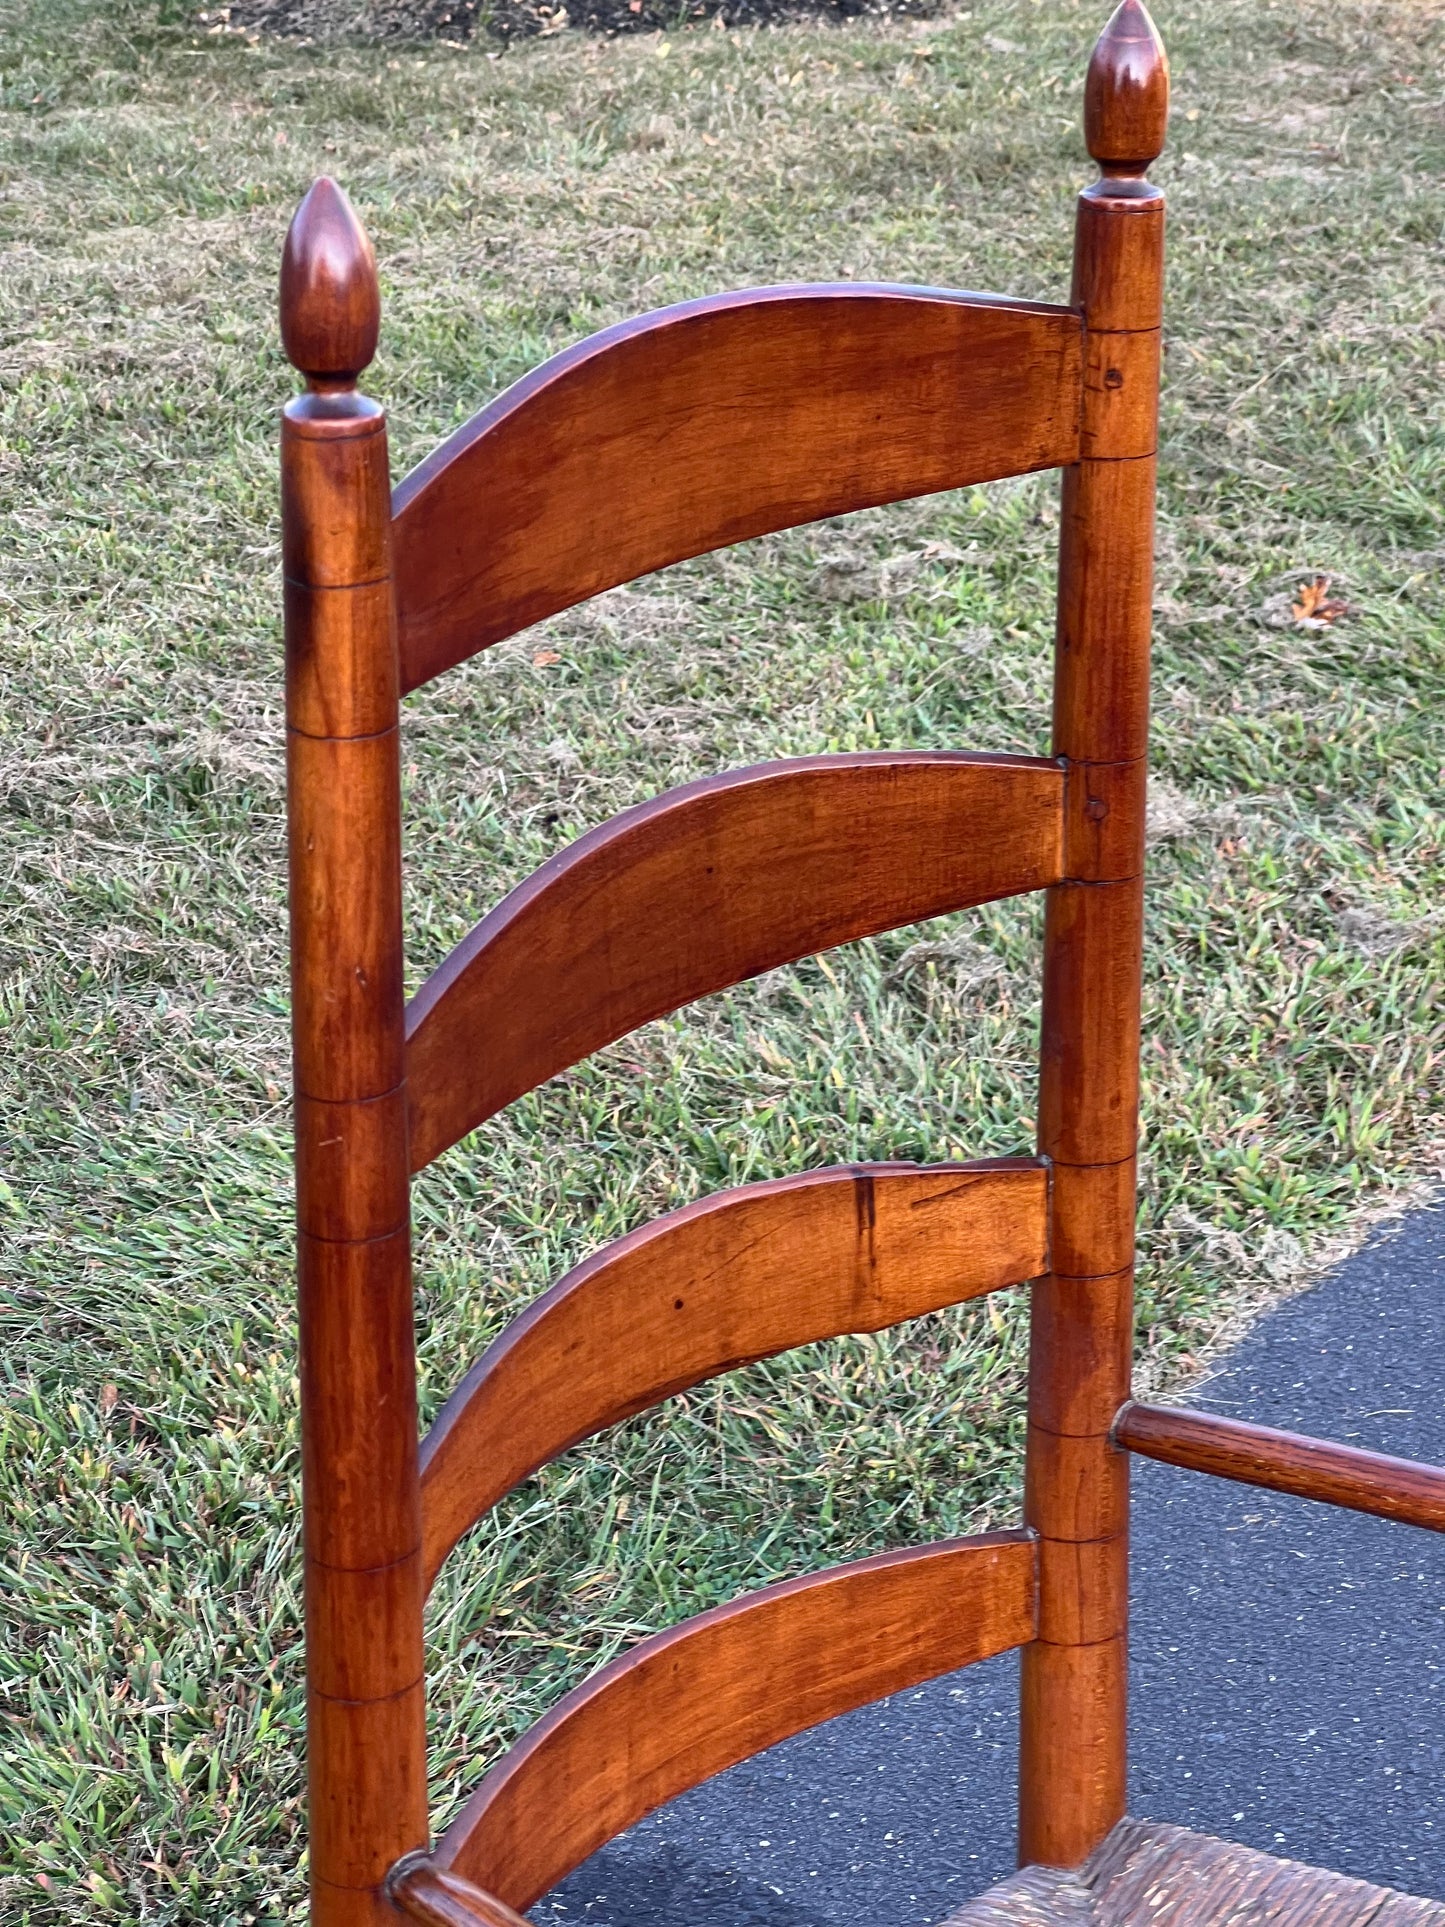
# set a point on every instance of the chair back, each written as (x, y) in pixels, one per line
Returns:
(713, 421)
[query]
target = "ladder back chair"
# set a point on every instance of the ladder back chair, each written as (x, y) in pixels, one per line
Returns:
(715, 421)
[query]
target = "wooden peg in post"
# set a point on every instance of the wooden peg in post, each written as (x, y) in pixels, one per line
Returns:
(365, 1704)
(1072, 1743)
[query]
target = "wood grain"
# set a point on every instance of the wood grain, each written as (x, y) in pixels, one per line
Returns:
(436, 1898)
(1083, 1590)
(720, 419)
(1090, 1322)
(1072, 1741)
(330, 296)
(1121, 388)
(344, 842)
(365, 1761)
(1073, 1705)
(366, 1714)
(691, 1701)
(1119, 262)
(1076, 1486)
(1126, 94)
(1341, 1475)
(1091, 1218)
(359, 1439)
(738, 1276)
(1089, 1043)
(703, 887)
(1104, 821)
(1106, 579)
(350, 1185)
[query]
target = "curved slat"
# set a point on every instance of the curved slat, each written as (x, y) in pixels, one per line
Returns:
(706, 423)
(707, 885)
(696, 1699)
(732, 1278)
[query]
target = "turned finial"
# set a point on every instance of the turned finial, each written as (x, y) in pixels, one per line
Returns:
(330, 299)
(1126, 96)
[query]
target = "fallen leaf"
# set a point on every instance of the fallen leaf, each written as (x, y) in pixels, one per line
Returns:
(544, 658)
(1314, 603)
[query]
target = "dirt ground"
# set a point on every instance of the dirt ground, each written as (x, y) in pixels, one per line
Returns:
(504, 20)
(460, 20)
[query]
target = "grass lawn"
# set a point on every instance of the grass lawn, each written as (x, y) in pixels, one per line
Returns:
(150, 1754)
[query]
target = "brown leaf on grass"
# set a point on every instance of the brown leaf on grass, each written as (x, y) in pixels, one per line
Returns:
(544, 658)
(1314, 603)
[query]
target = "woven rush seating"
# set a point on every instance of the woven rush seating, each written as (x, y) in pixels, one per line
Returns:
(1145, 1874)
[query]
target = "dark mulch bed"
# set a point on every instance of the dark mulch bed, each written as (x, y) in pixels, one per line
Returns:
(504, 20)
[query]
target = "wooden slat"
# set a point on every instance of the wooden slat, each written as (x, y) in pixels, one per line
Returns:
(699, 425)
(1308, 1468)
(731, 1278)
(705, 886)
(691, 1701)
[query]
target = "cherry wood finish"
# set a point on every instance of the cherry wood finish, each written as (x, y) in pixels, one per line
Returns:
(330, 297)
(362, 1528)
(737, 1276)
(1072, 1735)
(1341, 1475)
(703, 887)
(713, 421)
(437, 1898)
(691, 1701)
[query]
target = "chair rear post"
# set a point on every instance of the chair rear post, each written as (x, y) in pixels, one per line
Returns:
(1074, 1679)
(365, 1705)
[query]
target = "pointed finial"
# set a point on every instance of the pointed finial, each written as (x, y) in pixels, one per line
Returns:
(1126, 96)
(330, 299)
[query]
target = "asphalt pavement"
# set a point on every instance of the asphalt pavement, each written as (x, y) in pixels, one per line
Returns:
(1286, 1674)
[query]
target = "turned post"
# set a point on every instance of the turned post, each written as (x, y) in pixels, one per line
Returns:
(1074, 1675)
(365, 1705)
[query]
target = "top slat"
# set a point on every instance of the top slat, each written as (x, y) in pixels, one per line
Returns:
(707, 423)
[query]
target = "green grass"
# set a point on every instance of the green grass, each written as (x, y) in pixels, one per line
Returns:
(150, 1745)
